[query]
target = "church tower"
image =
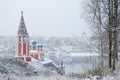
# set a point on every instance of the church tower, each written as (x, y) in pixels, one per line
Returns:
(22, 43)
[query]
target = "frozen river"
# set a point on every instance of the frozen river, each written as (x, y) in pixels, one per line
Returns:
(78, 62)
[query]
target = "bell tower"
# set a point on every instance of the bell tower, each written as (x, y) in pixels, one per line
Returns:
(22, 42)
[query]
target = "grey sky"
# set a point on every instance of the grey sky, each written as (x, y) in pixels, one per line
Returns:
(43, 17)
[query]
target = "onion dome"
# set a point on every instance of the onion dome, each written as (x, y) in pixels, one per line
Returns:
(39, 45)
(33, 42)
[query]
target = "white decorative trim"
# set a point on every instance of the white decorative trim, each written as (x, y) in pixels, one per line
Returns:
(16, 54)
(22, 45)
(26, 48)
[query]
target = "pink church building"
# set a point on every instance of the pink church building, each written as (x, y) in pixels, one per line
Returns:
(25, 50)
(36, 50)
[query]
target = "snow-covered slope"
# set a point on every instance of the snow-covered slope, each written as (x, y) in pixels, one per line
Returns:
(13, 69)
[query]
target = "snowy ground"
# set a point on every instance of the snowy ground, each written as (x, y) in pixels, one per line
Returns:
(12, 69)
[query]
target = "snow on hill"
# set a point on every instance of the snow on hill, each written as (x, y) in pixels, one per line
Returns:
(13, 69)
(12, 66)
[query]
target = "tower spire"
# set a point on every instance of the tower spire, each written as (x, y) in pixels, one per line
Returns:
(21, 13)
(22, 28)
(22, 49)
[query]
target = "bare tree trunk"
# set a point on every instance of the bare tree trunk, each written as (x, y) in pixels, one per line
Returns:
(113, 51)
(100, 30)
(116, 22)
(110, 53)
(109, 32)
(115, 11)
(114, 4)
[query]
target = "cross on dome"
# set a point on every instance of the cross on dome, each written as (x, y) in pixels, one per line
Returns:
(21, 13)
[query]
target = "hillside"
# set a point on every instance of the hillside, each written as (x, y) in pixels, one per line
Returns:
(12, 66)
(13, 69)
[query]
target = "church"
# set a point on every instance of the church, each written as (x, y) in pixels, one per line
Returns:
(26, 50)
(32, 51)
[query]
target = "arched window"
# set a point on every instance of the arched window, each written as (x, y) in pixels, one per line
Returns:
(19, 38)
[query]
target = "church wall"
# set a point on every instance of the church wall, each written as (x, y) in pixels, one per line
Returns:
(24, 48)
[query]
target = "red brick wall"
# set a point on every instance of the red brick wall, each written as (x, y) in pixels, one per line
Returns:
(42, 57)
(28, 48)
(19, 49)
(28, 59)
(22, 58)
(39, 49)
(35, 55)
(33, 47)
(24, 48)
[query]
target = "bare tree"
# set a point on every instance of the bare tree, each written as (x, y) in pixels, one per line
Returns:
(105, 17)
(96, 9)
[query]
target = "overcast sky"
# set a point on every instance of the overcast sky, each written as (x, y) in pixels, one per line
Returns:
(43, 17)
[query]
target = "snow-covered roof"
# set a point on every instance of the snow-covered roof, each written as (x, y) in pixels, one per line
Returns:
(33, 51)
(55, 65)
(46, 61)
(34, 60)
